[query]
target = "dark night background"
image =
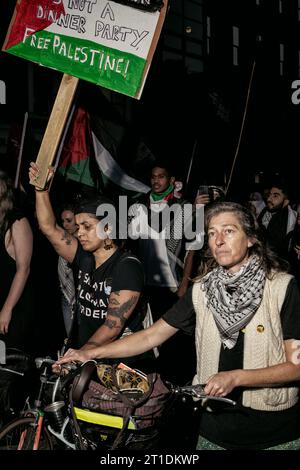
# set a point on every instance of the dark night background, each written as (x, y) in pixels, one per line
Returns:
(194, 96)
(192, 106)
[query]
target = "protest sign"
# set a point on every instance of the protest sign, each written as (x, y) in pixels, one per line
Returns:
(105, 42)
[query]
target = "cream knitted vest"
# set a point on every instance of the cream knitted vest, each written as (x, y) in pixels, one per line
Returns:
(263, 344)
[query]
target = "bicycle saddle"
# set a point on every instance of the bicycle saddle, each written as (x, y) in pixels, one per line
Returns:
(82, 379)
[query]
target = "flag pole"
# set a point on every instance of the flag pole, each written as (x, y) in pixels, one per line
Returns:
(191, 162)
(21, 150)
(242, 128)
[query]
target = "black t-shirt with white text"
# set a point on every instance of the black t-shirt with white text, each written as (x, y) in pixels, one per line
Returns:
(122, 271)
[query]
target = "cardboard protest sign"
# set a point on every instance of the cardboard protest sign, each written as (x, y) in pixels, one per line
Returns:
(105, 42)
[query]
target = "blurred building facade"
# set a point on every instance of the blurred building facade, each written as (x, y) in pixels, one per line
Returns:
(193, 103)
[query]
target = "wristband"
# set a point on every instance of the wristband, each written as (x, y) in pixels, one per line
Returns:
(41, 190)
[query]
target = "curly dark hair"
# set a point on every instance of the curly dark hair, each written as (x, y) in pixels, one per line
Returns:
(270, 261)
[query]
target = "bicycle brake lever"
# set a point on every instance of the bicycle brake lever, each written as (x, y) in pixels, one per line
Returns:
(198, 392)
(194, 390)
(226, 400)
(39, 361)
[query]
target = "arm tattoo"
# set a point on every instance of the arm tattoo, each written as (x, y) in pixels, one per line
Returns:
(119, 311)
(111, 324)
(67, 237)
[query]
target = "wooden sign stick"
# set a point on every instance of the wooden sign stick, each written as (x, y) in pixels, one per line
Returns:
(55, 127)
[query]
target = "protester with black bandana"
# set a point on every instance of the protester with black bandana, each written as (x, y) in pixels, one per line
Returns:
(245, 310)
(110, 280)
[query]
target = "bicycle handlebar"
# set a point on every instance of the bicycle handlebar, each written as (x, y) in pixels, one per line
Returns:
(39, 361)
(197, 391)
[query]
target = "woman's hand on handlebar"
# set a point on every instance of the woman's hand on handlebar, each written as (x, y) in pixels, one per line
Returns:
(63, 369)
(222, 383)
(77, 355)
(59, 370)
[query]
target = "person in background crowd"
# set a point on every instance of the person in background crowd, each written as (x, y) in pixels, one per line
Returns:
(161, 250)
(256, 202)
(159, 221)
(209, 194)
(245, 310)
(16, 290)
(294, 253)
(278, 219)
(65, 272)
(205, 195)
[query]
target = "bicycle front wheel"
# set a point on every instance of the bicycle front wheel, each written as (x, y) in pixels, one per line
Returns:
(23, 430)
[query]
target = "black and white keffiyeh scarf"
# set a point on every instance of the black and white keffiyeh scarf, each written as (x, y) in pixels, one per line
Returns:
(234, 298)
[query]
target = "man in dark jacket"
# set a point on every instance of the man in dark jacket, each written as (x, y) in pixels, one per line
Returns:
(278, 219)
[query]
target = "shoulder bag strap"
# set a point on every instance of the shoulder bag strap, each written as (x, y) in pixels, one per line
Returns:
(130, 405)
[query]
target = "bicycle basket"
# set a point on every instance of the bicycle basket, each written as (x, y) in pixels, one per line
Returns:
(128, 395)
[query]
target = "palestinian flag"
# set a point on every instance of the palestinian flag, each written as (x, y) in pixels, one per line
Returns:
(81, 148)
(107, 43)
(112, 172)
(75, 157)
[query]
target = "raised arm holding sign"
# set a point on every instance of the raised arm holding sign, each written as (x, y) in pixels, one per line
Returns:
(109, 43)
(105, 42)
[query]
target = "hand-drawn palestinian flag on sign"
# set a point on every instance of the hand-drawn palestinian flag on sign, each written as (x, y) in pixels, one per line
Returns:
(104, 42)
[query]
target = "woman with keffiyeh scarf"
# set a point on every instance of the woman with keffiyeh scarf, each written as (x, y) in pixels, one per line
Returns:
(246, 308)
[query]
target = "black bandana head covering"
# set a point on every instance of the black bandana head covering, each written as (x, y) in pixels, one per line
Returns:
(103, 209)
(92, 206)
(233, 298)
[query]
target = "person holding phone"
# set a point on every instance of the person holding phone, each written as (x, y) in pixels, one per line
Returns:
(207, 194)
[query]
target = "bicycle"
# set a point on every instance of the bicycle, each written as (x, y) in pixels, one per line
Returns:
(59, 424)
(16, 382)
(31, 431)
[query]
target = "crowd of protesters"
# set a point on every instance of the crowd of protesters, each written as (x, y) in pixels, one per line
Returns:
(233, 298)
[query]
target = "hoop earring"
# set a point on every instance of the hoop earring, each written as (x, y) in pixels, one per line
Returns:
(108, 244)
